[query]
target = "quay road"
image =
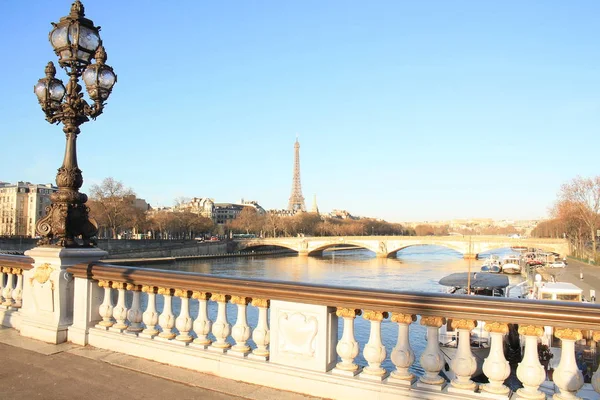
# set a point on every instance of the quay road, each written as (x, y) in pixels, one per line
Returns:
(571, 274)
(37, 370)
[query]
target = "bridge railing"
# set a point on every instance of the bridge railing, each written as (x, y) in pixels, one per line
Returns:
(292, 342)
(11, 288)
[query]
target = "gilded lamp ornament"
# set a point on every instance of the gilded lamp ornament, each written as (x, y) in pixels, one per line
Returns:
(76, 42)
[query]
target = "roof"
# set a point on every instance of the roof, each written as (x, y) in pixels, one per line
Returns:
(560, 287)
(478, 280)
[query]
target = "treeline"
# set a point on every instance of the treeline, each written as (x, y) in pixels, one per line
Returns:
(576, 216)
(311, 224)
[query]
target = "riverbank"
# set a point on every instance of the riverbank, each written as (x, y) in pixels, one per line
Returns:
(573, 273)
(163, 260)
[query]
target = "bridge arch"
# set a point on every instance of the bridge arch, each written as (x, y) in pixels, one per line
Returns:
(396, 249)
(322, 247)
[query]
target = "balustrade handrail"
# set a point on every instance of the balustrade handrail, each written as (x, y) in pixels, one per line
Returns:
(519, 311)
(23, 262)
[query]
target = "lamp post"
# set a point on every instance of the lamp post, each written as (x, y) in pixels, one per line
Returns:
(76, 42)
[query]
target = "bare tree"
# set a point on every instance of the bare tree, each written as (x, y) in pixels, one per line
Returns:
(114, 203)
(584, 195)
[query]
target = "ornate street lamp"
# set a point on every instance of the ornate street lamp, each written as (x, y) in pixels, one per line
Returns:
(76, 42)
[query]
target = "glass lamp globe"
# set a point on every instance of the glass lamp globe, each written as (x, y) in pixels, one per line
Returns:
(99, 78)
(49, 90)
(75, 38)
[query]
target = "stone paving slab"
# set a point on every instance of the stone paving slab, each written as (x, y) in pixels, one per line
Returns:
(37, 370)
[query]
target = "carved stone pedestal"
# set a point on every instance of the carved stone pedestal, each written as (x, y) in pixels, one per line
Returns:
(303, 335)
(48, 292)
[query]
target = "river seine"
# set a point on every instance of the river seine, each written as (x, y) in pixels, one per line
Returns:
(417, 268)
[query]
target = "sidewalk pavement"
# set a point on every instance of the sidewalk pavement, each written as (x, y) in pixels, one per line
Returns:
(571, 274)
(37, 370)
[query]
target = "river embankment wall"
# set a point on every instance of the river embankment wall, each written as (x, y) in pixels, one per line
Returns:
(130, 248)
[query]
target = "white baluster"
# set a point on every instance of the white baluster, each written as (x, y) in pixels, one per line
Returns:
(202, 324)
(240, 331)
(221, 328)
(150, 315)
(567, 376)
(2, 277)
(8, 289)
(120, 309)
(432, 359)
(347, 347)
(402, 355)
(106, 308)
(183, 323)
(464, 363)
(495, 366)
(261, 334)
(134, 315)
(530, 372)
(374, 351)
(596, 376)
(166, 320)
(17, 293)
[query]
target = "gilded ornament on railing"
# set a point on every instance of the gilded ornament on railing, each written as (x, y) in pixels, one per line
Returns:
(133, 288)
(434, 321)
(5, 270)
(347, 312)
(263, 303)
(403, 318)
(16, 271)
(221, 298)
(41, 273)
(165, 291)
(568, 333)
(200, 295)
(149, 289)
(241, 300)
(372, 315)
(118, 285)
(468, 324)
(531, 330)
(496, 327)
(104, 284)
(183, 293)
(596, 336)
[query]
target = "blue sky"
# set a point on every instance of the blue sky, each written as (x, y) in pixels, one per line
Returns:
(406, 110)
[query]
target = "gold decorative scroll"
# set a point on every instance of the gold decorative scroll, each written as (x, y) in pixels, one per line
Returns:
(104, 284)
(6, 270)
(467, 324)
(568, 333)
(531, 330)
(200, 295)
(240, 300)
(165, 291)
(40, 274)
(403, 318)
(183, 293)
(118, 285)
(16, 271)
(347, 312)
(262, 303)
(433, 321)
(496, 327)
(596, 336)
(221, 298)
(149, 289)
(372, 315)
(133, 288)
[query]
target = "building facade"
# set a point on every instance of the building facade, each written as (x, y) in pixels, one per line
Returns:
(22, 205)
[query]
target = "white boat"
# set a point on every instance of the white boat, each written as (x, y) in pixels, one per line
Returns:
(511, 265)
(491, 264)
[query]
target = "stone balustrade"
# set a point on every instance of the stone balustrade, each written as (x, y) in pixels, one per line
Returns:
(287, 335)
(11, 288)
(201, 322)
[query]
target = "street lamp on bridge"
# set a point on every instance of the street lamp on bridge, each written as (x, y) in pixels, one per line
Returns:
(76, 42)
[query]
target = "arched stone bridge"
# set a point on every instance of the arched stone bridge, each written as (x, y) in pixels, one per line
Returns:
(385, 246)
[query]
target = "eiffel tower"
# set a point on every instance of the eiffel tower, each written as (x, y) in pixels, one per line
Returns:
(296, 199)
